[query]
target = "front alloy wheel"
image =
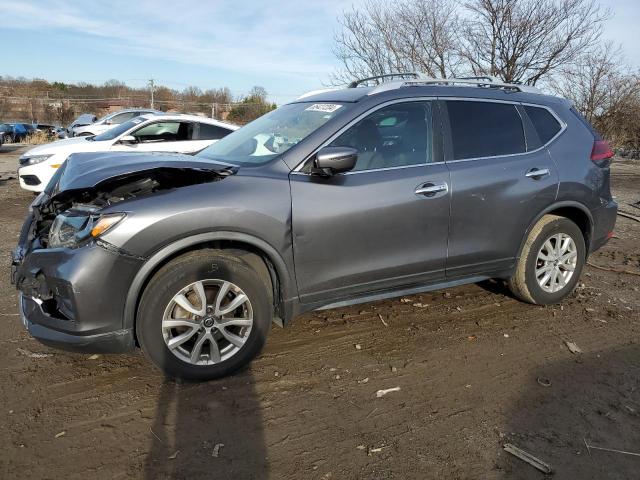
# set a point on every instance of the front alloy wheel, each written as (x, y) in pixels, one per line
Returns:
(205, 314)
(207, 322)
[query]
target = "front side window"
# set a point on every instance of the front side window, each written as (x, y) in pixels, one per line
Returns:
(394, 136)
(164, 132)
(273, 134)
(484, 129)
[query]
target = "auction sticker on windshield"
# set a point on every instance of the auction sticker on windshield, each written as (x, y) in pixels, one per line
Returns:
(323, 107)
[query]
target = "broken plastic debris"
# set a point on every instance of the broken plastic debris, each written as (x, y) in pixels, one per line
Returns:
(382, 393)
(27, 353)
(358, 346)
(382, 320)
(544, 382)
(527, 457)
(173, 457)
(364, 380)
(216, 450)
(94, 357)
(573, 348)
(61, 434)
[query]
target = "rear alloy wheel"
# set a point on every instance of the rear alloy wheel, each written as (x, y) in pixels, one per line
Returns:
(551, 261)
(204, 315)
(556, 262)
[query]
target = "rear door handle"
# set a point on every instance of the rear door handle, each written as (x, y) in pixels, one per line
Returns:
(537, 173)
(430, 189)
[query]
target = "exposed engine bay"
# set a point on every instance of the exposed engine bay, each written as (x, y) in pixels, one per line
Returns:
(63, 218)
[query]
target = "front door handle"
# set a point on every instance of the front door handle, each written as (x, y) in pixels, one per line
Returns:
(430, 189)
(537, 173)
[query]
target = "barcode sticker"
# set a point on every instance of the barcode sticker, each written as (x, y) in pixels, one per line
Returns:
(323, 107)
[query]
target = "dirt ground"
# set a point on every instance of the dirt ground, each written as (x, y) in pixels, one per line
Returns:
(473, 366)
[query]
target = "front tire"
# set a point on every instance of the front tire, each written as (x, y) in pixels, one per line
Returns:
(204, 315)
(551, 262)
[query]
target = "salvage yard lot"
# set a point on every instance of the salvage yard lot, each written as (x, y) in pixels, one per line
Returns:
(476, 369)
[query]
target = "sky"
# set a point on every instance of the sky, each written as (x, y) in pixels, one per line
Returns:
(283, 45)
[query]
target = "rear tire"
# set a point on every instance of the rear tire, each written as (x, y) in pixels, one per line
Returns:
(551, 262)
(171, 310)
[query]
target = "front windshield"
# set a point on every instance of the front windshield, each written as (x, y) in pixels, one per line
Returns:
(272, 134)
(118, 130)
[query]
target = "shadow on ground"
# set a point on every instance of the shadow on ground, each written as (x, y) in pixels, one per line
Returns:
(593, 398)
(204, 431)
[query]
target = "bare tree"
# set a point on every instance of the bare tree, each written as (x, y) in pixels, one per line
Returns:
(428, 32)
(515, 40)
(526, 40)
(603, 90)
(588, 81)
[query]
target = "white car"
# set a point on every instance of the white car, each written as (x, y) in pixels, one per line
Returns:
(146, 133)
(109, 121)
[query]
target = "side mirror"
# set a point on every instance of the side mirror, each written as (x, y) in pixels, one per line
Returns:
(128, 140)
(332, 160)
(108, 122)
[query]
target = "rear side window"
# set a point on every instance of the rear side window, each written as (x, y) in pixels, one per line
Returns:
(544, 122)
(212, 132)
(484, 129)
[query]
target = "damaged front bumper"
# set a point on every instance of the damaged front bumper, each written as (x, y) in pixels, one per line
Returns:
(74, 298)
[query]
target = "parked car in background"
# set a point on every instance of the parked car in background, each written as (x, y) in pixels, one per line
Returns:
(146, 133)
(29, 128)
(6, 131)
(61, 133)
(335, 199)
(46, 128)
(15, 132)
(109, 121)
(81, 121)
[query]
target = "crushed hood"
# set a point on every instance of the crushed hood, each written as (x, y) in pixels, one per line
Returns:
(89, 170)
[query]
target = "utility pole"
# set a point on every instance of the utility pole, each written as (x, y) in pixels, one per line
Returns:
(151, 88)
(213, 110)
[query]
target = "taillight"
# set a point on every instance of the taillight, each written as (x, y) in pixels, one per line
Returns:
(601, 150)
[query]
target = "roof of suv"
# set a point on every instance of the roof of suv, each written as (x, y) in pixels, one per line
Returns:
(467, 88)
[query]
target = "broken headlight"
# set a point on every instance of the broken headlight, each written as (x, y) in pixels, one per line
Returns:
(73, 227)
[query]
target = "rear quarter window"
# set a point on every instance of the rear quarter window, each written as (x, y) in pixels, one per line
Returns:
(546, 125)
(484, 129)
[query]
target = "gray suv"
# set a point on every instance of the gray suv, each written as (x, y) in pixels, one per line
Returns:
(341, 197)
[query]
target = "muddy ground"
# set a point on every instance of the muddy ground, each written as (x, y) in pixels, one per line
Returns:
(472, 364)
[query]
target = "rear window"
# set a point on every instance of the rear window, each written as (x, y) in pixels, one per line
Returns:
(212, 132)
(544, 122)
(484, 129)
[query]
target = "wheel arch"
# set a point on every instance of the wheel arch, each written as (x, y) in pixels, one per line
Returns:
(574, 211)
(280, 276)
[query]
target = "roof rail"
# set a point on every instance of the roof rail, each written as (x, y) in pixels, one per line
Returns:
(482, 82)
(360, 81)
